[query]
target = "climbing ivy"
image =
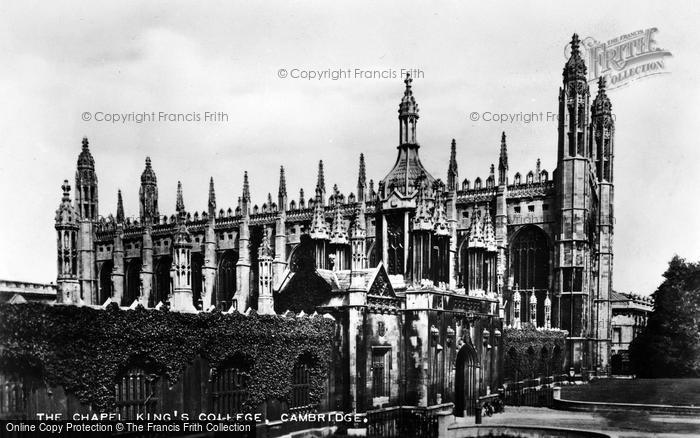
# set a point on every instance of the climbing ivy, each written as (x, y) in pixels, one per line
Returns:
(529, 352)
(85, 349)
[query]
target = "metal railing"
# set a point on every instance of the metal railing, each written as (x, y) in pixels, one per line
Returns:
(537, 392)
(405, 421)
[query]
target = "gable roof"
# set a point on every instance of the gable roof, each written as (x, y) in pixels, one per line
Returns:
(339, 281)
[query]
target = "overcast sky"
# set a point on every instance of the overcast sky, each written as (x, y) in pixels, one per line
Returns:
(58, 61)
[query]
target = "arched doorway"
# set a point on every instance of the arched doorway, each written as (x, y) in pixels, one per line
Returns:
(466, 381)
(616, 364)
(105, 282)
(226, 280)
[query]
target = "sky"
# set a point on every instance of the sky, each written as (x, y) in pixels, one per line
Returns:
(58, 62)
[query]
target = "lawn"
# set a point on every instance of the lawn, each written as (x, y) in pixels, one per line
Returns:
(684, 392)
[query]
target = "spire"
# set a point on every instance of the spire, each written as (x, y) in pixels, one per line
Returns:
(503, 161)
(538, 170)
(319, 227)
(476, 233)
(246, 188)
(179, 203)
(65, 213)
(491, 173)
(489, 234)
(441, 226)
(358, 229)
(339, 235)
(86, 184)
(320, 184)
(423, 221)
(361, 180)
(282, 192)
(452, 174)
(302, 201)
(66, 191)
(85, 160)
(403, 176)
(212, 199)
(408, 115)
(601, 104)
(148, 194)
(575, 68)
(148, 176)
(120, 207)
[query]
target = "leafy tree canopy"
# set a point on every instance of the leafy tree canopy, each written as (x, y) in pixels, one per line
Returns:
(669, 346)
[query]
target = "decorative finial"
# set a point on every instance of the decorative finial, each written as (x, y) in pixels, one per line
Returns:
(601, 84)
(246, 187)
(575, 42)
(212, 197)
(362, 175)
(320, 182)
(148, 162)
(179, 204)
(120, 207)
(283, 183)
(408, 80)
(85, 143)
(66, 190)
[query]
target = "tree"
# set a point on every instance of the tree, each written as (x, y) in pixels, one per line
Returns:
(669, 345)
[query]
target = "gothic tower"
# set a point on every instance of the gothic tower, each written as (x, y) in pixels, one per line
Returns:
(602, 143)
(86, 207)
(86, 184)
(68, 291)
(181, 269)
(399, 189)
(148, 194)
(242, 294)
(209, 266)
(572, 262)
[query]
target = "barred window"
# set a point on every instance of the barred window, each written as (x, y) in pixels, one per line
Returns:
(229, 388)
(12, 398)
(381, 372)
(135, 393)
(301, 385)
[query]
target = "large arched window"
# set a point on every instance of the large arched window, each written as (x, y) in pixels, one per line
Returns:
(303, 255)
(226, 279)
(529, 255)
(395, 245)
(132, 286)
(197, 261)
(161, 286)
(105, 282)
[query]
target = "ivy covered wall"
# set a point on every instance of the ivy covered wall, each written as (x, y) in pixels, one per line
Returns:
(85, 349)
(531, 352)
